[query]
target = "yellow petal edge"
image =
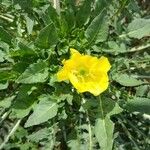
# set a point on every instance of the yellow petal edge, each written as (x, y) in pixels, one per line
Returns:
(85, 72)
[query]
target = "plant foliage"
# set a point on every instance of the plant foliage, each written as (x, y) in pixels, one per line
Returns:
(37, 111)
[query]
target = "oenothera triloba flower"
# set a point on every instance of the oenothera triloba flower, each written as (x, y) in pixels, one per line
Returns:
(85, 72)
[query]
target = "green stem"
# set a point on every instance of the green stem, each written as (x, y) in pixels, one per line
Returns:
(90, 132)
(10, 134)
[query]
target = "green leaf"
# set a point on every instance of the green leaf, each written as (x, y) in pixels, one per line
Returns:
(114, 48)
(6, 102)
(29, 24)
(23, 50)
(5, 36)
(74, 144)
(98, 29)
(39, 135)
(37, 72)
(3, 85)
(50, 16)
(47, 37)
(6, 75)
(45, 110)
(83, 12)
(24, 101)
(127, 80)
(2, 56)
(142, 90)
(139, 104)
(108, 107)
(104, 133)
(104, 126)
(138, 28)
(68, 20)
(100, 5)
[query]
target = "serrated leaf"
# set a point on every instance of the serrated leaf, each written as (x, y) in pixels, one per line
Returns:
(47, 37)
(45, 110)
(97, 30)
(138, 28)
(127, 80)
(139, 104)
(37, 72)
(104, 128)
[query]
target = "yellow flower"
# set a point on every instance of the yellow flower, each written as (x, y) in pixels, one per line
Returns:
(86, 73)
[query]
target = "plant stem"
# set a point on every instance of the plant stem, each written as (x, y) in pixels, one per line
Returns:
(10, 134)
(4, 116)
(90, 132)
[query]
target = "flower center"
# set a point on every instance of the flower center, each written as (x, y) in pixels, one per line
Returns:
(83, 72)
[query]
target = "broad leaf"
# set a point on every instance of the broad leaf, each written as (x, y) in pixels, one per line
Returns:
(45, 110)
(98, 29)
(50, 16)
(47, 37)
(138, 28)
(108, 107)
(100, 5)
(83, 13)
(3, 85)
(39, 135)
(104, 128)
(139, 104)
(127, 80)
(35, 73)
(24, 101)
(6, 102)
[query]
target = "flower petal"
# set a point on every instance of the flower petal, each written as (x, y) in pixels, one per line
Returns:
(95, 88)
(104, 64)
(62, 75)
(93, 80)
